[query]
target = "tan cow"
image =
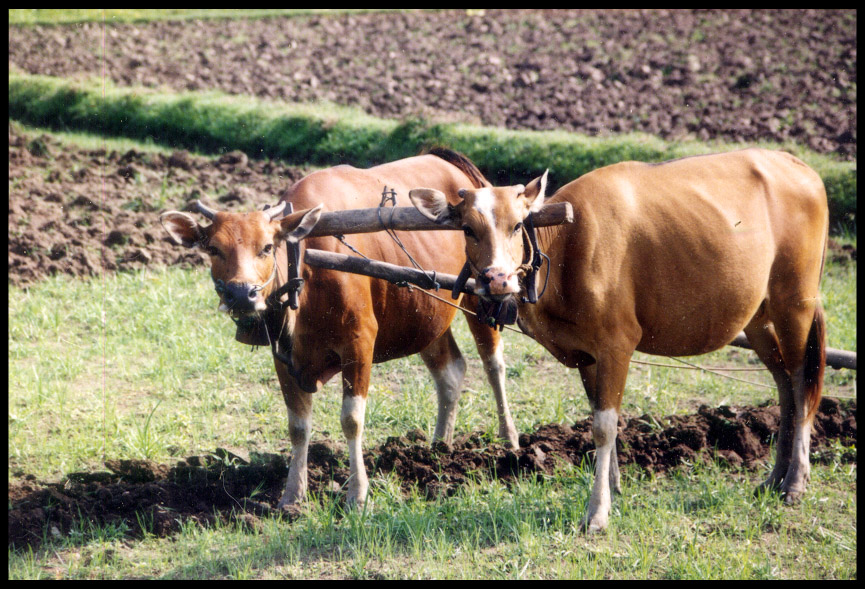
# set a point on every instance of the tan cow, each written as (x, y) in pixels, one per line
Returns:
(346, 322)
(672, 259)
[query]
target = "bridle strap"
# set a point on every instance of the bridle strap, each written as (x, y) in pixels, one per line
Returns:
(463, 276)
(260, 287)
(533, 260)
(294, 283)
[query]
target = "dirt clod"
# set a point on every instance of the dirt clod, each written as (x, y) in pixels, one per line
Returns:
(700, 73)
(156, 498)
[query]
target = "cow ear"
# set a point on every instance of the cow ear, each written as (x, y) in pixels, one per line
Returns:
(432, 203)
(535, 193)
(296, 226)
(182, 228)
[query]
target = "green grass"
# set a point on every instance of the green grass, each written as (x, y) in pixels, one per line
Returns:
(90, 380)
(159, 383)
(699, 522)
(140, 365)
(324, 134)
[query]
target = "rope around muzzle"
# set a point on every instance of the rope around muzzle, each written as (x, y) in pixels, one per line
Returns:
(219, 284)
(499, 314)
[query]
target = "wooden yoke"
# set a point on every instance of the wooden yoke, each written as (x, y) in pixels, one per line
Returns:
(410, 219)
(370, 220)
(384, 270)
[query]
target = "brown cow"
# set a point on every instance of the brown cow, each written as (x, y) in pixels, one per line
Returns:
(346, 322)
(672, 259)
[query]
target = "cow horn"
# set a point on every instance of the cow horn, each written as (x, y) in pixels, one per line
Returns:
(274, 211)
(207, 212)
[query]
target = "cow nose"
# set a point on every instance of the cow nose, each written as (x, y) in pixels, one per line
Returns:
(496, 281)
(239, 296)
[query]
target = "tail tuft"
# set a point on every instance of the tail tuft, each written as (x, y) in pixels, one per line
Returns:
(815, 362)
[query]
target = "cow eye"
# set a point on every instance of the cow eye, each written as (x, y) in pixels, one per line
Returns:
(469, 233)
(518, 227)
(212, 251)
(266, 250)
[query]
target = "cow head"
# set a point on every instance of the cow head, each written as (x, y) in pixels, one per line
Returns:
(241, 248)
(492, 219)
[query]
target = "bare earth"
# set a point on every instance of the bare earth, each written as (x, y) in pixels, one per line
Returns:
(787, 75)
(735, 75)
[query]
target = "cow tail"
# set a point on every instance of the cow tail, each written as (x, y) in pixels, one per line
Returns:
(465, 165)
(815, 362)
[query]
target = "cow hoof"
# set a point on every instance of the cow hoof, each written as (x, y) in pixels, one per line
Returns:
(767, 487)
(290, 510)
(792, 497)
(357, 504)
(594, 526)
(512, 440)
(289, 499)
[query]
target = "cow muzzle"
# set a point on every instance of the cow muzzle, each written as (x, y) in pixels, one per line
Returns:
(240, 298)
(498, 284)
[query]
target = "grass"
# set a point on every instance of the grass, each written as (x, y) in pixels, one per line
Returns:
(325, 134)
(91, 381)
(700, 522)
(107, 383)
(139, 365)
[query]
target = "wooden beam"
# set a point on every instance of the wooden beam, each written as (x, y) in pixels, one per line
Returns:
(384, 270)
(410, 219)
(834, 357)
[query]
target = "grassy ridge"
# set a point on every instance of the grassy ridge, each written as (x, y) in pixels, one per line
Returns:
(328, 134)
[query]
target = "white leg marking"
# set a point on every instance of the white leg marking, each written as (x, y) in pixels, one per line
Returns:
(449, 384)
(495, 369)
(299, 429)
(604, 428)
(799, 471)
(352, 419)
(784, 442)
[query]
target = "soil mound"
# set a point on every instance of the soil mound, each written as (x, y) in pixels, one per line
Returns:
(145, 496)
(85, 212)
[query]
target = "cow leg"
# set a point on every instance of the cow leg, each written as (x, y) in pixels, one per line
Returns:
(795, 336)
(299, 406)
(799, 472)
(352, 420)
(764, 341)
(588, 374)
(794, 311)
(446, 363)
(356, 370)
(491, 349)
(605, 383)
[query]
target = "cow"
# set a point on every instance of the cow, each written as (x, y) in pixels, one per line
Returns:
(343, 323)
(670, 259)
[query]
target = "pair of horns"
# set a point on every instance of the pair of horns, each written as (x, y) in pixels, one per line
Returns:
(271, 211)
